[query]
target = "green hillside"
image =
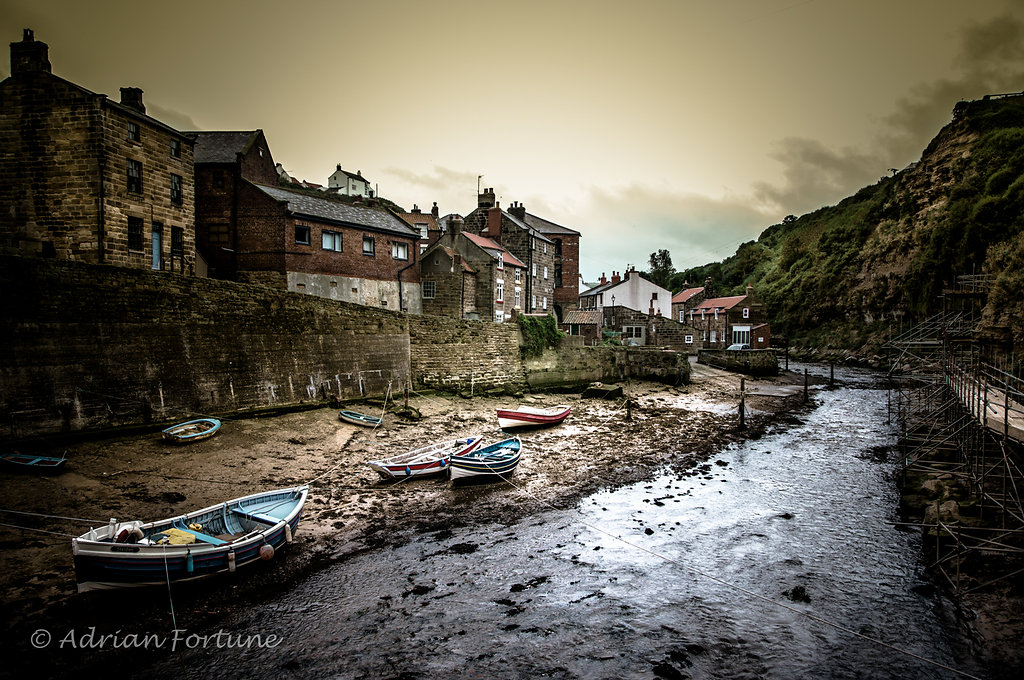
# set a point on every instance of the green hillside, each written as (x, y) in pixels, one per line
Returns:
(845, 275)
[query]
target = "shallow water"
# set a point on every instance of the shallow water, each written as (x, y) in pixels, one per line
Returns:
(778, 559)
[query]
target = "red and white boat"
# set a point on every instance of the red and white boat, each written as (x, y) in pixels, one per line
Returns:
(429, 460)
(529, 416)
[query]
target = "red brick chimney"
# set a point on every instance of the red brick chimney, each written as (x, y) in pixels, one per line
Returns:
(616, 278)
(494, 222)
(603, 279)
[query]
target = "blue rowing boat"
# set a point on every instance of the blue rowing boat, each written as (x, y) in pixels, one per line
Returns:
(192, 430)
(357, 418)
(210, 541)
(488, 463)
(27, 462)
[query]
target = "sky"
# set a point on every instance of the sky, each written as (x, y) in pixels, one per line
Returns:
(685, 125)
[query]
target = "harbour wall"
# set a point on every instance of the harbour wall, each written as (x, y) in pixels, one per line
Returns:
(92, 347)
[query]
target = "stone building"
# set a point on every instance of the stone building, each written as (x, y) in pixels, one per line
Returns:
(88, 179)
(470, 276)
(632, 291)
(302, 240)
(566, 259)
(738, 319)
(528, 244)
(349, 184)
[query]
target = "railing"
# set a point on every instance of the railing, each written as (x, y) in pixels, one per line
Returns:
(994, 397)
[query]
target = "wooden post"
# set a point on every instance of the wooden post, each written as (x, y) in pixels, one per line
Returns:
(831, 373)
(407, 398)
(743, 421)
(787, 355)
(805, 384)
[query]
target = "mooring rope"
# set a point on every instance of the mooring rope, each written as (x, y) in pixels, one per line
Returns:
(745, 591)
(41, 531)
(70, 519)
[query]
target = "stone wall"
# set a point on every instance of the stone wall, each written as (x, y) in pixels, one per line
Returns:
(457, 355)
(95, 346)
(573, 366)
(749, 361)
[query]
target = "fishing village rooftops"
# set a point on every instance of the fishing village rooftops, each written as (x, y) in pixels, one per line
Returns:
(492, 245)
(223, 147)
(582, 317)
(721, 303)
(352, 214)
(685, 295)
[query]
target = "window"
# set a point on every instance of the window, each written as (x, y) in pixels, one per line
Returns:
(422, 228)
(133, 131)
(534, 301)
(400, 251)
(501, 261)
(176, 148)
(134, 171)
(368, 247)
(688, 339)
(519, 273)
(176, 197)
(519, 293)
(302, 234)
(633, 331)
(544, 301)
(501, 290)
(499, 316)
(545, 271)
(682, 316)
(558, 276)
(746, 312)
(535, 269)
(654, 296)
(716, 313)
(429, 290)
(177, 242)
(714, 335)
(134, 233)
(330, 240)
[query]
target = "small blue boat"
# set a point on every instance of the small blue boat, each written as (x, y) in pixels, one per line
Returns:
(192, 430)
(210, 541)
(357, 418)
(31, 463)
(489, 463)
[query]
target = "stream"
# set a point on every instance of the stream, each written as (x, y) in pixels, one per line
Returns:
(780, 558)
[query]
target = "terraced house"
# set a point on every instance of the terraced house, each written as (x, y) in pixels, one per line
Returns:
(257, 231)
(88, 179)
(526, 243)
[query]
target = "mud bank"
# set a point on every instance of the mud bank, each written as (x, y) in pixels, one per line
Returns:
(602, 445)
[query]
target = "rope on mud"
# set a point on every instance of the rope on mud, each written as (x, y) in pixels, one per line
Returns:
(70, 519)
(745, 591)
(41, 531)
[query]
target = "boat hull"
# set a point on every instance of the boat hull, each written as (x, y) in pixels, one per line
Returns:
(35, 464)
(433, 459)
(255, 521)
(531, 417)
(356, 418)
(489, 464)
(192, 430)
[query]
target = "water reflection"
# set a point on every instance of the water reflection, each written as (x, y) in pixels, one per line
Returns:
(801, 517)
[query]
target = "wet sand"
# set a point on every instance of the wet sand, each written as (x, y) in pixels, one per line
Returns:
(602, 444)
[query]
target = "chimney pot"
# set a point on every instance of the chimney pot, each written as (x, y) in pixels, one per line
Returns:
(132, 98)
(29, 55)
(434, 210)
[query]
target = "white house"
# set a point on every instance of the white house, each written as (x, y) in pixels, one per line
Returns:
(348, 184)
(633, 292)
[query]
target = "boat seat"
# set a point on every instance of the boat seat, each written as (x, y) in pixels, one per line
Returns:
(259, 516)
(205, 538)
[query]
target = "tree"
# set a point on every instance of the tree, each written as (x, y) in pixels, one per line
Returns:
(661, 269)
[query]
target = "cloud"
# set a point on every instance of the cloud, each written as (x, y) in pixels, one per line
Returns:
(441, 180)
(176, 119)
(623, 227)
(990, 60)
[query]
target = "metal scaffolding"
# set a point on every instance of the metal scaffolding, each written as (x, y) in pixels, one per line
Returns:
(961, 419)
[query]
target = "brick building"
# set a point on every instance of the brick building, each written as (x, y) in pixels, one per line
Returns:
(531, 247)
(566, 259)
(425, 224)
(470, 276)
(89, 179)
(730, 320)
(256, 231)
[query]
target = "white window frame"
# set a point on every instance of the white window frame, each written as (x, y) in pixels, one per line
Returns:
(396, 250)
(501, 291)
(746, 312)
(688, 339)
(429, 290)
(335, 239)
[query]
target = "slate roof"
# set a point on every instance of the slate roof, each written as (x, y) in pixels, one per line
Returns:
(222, 147)
(547, 227)
(489, 244)
(582, 317)
(348, 214)
(684, 295)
